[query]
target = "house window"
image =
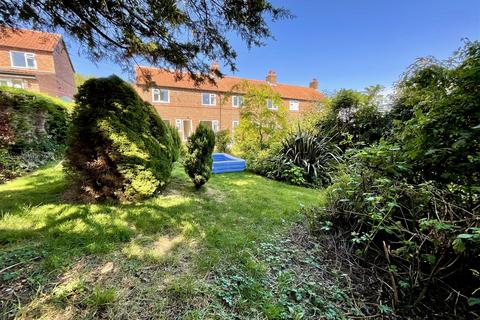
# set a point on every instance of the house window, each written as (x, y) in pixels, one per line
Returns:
(209, 99)
(161, 95)
(270, 105)
(184, 127)
(235, 124)
(23, 59)
(237, 101)
(167, 122)
(213, 124)
(294, 105)
(15, 83)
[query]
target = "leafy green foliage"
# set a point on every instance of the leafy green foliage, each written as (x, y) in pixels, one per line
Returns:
(223, 140)
(302, 158)
(410, 201)
(32, 131)
(283, 281)
(442, 136)
(260, 127)
(118, 147)
(198, 160)
(176, 145)
(80, 79)
(425, 233)
(153, 31)
(353, 118)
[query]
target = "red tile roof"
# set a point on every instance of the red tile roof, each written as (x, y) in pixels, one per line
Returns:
(28, 39)
(165, 78)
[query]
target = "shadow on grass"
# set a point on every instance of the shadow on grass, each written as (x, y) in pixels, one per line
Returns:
(230, 212)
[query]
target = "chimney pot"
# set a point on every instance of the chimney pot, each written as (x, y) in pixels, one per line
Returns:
(215, 69)
(314, 84)
(271, 77)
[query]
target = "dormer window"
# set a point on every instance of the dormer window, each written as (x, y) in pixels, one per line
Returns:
(23, 60)
(237, 101)
(161, 95)
(209, 99)
(270, 105)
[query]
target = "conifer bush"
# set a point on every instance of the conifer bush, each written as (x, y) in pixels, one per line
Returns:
(198, 160)
(176, 145)
(118, 147)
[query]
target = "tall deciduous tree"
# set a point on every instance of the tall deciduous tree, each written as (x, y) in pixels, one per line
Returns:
(262, 119)
(184, 35)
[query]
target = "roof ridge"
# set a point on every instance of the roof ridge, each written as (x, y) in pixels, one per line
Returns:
(236, 77)
(32, 30)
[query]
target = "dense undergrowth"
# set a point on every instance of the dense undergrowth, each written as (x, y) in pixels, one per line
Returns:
(410, 199)
(404, 184)
(32, 131)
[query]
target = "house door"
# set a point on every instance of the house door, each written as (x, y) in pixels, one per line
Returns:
(184, 127)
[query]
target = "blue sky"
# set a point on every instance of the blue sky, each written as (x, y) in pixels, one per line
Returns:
(345, 43)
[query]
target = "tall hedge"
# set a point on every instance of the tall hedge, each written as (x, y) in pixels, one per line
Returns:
(118, 147)
(198, 160)
(32, 130)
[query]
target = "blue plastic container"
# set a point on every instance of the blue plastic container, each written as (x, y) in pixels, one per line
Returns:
(223, 162)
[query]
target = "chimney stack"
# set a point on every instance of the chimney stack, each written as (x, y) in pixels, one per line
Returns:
(314, 84)
(215, 66)
(271, 77)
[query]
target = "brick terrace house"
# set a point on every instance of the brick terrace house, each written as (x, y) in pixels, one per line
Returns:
(36, 61)
(185, 105)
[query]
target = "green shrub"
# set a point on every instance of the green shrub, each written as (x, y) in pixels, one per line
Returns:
(118, 147)
(353, 118)
(438, 118)
(425, 238)
(259, 127)
(223, 139)
(32, 131)
(302, 158)
(410, 203)
(198, 160)
(176, 146)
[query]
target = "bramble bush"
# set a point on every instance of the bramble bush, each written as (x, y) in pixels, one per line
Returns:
(198, 160)
(32, 131)
(118, 147)
(410, 203)
(425, 236)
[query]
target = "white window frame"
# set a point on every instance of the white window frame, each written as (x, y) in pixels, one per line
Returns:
(10, 82)
(158, 91)
(212, 97)
(239, 100)
(179, 124)
(294, 105)
(215, 124)
(25, 54)
(270, 105)
(235, 123)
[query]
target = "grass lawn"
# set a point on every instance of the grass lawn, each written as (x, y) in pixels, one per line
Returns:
(177, 255)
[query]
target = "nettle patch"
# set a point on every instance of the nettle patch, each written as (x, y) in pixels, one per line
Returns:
(286, 279)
